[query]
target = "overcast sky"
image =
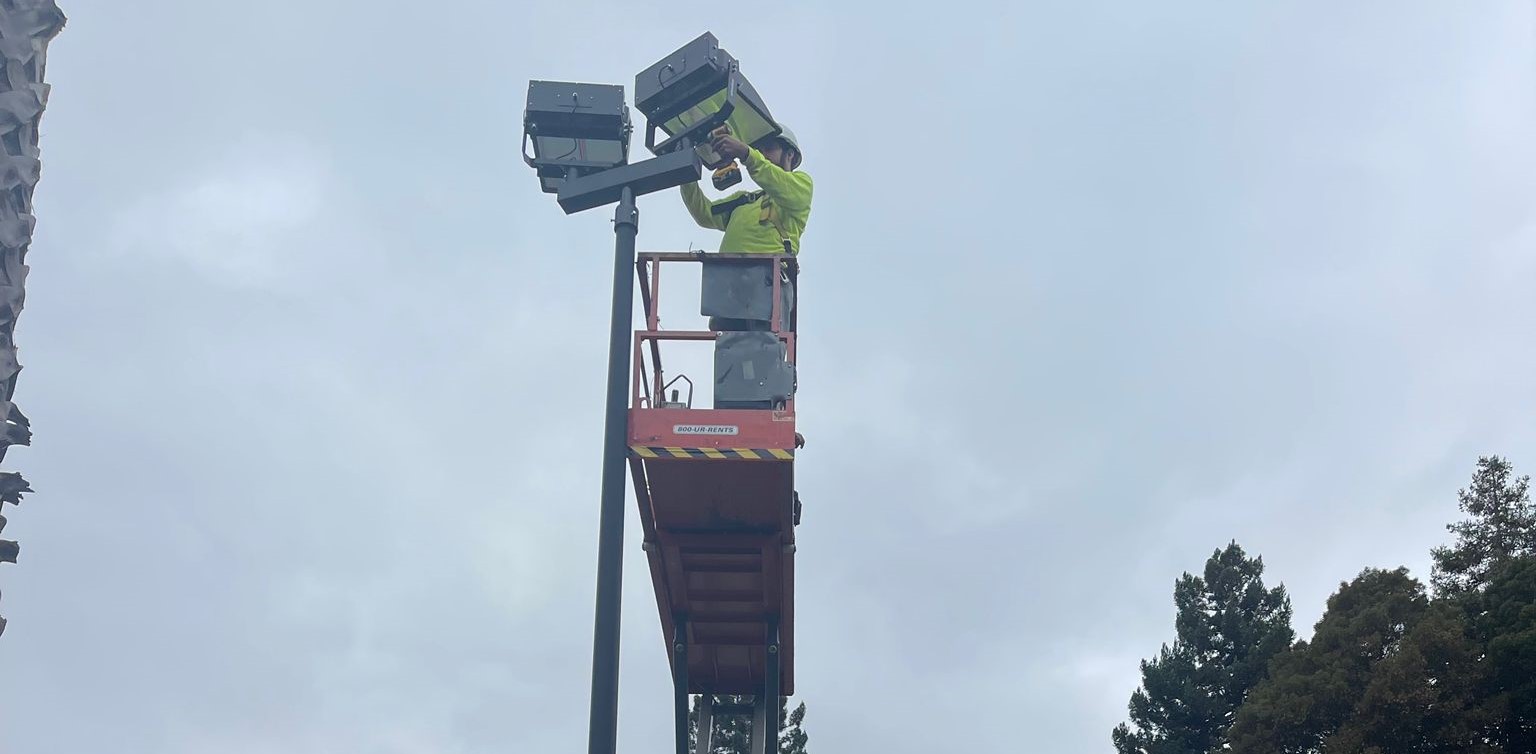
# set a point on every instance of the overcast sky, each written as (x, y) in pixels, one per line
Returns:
(1090, 290)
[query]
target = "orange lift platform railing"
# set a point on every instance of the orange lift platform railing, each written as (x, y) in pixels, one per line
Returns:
(716, 492)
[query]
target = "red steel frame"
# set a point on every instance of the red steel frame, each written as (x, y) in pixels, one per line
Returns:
(718, 523)
(651, 426)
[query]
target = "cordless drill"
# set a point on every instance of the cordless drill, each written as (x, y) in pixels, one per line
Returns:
(729, 174)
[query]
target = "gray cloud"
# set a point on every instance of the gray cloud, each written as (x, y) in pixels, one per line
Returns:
(316, 374)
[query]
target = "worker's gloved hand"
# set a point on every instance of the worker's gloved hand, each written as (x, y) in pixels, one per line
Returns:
(729, 147)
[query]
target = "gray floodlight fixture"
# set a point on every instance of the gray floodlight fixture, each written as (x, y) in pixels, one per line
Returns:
(695, 90)
(576, 130)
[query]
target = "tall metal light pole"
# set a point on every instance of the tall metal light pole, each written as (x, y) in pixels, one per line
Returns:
(602, 737)
(580, 139)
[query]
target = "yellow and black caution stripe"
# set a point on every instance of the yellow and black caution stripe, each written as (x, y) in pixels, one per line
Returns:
(717, 454)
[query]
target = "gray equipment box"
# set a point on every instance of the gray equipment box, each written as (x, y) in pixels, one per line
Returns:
(752, 370)
(737, 289)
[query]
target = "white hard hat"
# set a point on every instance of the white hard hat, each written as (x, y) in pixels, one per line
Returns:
(789, 138)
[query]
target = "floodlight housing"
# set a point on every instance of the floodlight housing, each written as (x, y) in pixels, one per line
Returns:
(695, 90)
(575, 129)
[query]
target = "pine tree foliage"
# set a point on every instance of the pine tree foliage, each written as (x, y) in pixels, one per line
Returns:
(1358, 682)
(1228, 627)
(733, 734)
(792, 735)
(1504, 617)
(1423, 696)
(1501, 527)
(1390, 670)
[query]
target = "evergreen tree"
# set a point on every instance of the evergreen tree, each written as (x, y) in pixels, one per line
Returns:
(1389, 671)
(732, 735)
(1490, 573)
(1505, 621)
(1423, 697)
(1228, 627)
(792, 735)
(1314, 689)
(1502, 527)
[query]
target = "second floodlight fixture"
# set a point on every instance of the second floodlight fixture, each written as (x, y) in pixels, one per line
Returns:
(576, 130)
(692, 92)
(580, 139)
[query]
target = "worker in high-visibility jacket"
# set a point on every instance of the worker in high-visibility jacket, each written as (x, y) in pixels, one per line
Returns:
(768, 220)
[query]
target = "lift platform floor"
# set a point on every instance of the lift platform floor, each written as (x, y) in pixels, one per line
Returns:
(720, 541)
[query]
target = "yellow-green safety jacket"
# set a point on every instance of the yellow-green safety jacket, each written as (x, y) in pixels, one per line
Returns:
(760, 221)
